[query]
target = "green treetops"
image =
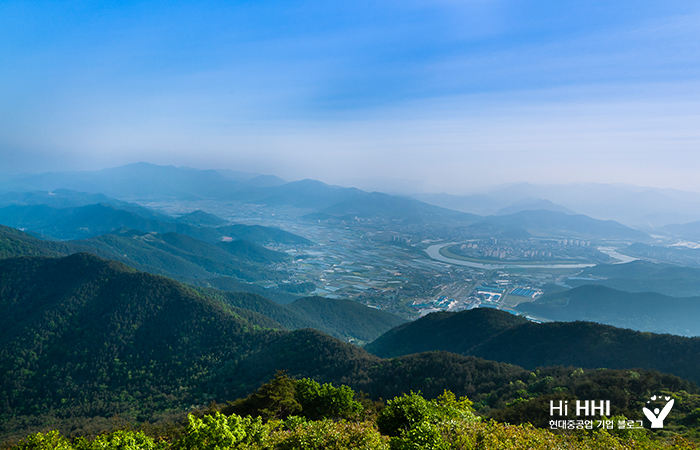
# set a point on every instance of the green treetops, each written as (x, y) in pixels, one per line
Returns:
(404, 413)
(325, 401)
(283, 397)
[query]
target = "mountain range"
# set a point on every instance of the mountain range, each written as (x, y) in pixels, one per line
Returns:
(648, 311)
(83, 339)
(648, 209)
(645, 208)
(318, 200)
(232, 265)
(556, 223)
(126, 311)
(642, 276)
(500, 336)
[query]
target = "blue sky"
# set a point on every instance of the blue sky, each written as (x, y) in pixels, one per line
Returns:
(413, 95)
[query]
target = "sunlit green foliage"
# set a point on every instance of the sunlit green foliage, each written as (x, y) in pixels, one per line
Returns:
(119, 440)
(283, 397)
(326, 434)
(437, 430)
(325, 401)
(220, 432)
(44, 441)
(403, 414)
(499, 336)
(275, 399)
(87, 342)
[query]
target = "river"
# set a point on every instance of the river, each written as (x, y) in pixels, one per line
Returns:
(434, 252)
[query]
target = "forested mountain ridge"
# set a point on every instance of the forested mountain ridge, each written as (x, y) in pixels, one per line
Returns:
(83, 339)
(376, 205)
(17, 243)
(344, 319)
(148, 181)
(531, 345)
(81, 327)
(187, 259)
(182, 257)
(86, 221)
(66, 198)
(201, 218)
(361, 322)
(646, 311)
(642, 276)
(553, 222)
(452, 332)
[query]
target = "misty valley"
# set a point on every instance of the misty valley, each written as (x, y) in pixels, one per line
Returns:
(146, 302)
(385, 225)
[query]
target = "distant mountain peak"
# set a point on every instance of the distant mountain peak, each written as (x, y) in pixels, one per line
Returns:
(532, 204)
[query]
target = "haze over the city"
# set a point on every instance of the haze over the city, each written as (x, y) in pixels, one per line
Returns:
(401, 96)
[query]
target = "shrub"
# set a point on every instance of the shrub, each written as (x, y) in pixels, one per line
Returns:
(329, 435)
(119, 440)
(325, 401)
(403, 413)
(218, 432)
(52, 440)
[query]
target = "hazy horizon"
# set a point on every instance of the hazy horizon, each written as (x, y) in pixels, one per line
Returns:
(395, 187)
(451, 97)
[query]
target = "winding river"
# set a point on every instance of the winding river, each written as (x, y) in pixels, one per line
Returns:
(434, 252)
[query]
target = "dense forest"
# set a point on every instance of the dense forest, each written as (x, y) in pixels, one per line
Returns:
(90, 220)
(184, 258)
(649, 311)
(86, 343)
(500, 336)
(642, 276)
(292, 414)
(112, 357)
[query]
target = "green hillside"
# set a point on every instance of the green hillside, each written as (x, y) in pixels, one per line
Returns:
(642, 276)
(683, 256)
(377, 205)
(17, 243)
(89, 337)
(343, 319)
(178, 256)
(86, 221)
(196, 262)
(66, 198)
(200, 218)
(83, 340)
(493, 386)
(182, 257)
(233, 267)
(516, 341)
(262, 235)
(252, 252)
(556, 223)
(645, 311)
(452, 332)
(78, 222)
(591, 345)
(235, 285)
